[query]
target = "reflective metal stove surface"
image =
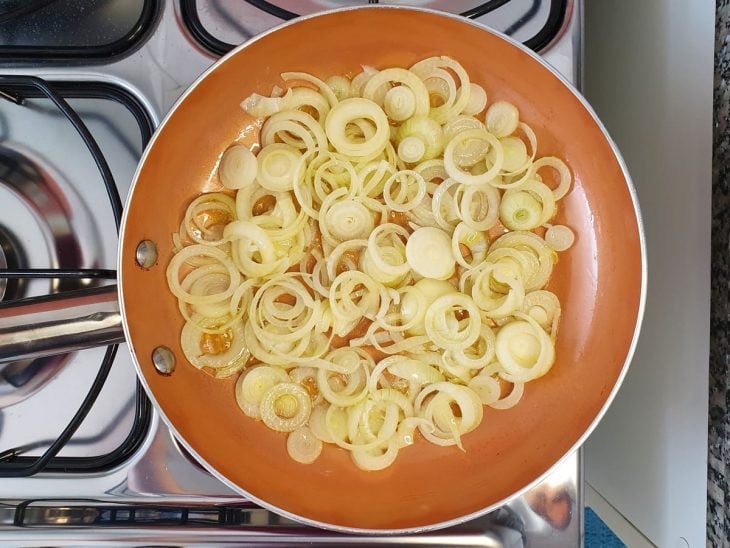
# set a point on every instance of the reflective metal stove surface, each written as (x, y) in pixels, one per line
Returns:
(122, 469)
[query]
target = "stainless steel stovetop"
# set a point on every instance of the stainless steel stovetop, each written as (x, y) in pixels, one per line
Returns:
(122, 479)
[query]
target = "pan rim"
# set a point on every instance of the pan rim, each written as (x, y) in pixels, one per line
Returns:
(579, 442)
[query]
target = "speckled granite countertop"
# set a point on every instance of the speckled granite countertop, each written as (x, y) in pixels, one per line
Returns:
(718, 501)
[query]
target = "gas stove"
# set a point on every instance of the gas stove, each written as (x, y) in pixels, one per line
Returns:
(84, 458)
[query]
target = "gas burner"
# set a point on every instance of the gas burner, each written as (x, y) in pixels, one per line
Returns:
(56, 205)
(41, 219)
(52, 227)
(217, 25)
(11, 257)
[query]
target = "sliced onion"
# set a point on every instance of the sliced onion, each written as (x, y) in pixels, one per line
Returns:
(428, 251)
(399, 103)
(260, 106)
(285, 407)
(411, 190)
(303, 446)
(346, 239)
(477, 100)
(324, 89)
(404, 77)
(559, 237)
(377, 458)
(348, 111)
(237, 168)
(253, 384)
(524, 349)
(443, 327)
(465, 177)
(277, 165)
(502, 119)
(349, 220)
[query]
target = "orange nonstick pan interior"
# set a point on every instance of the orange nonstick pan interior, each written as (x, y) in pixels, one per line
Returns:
(599, 281)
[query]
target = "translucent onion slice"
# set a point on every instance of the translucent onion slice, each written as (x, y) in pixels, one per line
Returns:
(527, 208)
(336, 423)
(378, 458)
(277, 166)
(354, 295)
(318, 423)
(177, 262)
(459, 124)
(428, 251)
(520, 210)
(360, 79)
(407, 428)
(396, 397)
(206, 217)
(217, 351)
(524, 349)
(324, 89)
(349, 220)
(309, 101)
(285, 407)
(535, 252)
(411, 149)
(496, 304)
(502, 119)
(260, 106)
(543, 307)
(399, 103)
(432, 170)
(479, 207)
(307, 377)
(411, 188)
(416, 372)
(387, 233)
(477, 100)
(441, 87)
(430, 68)
(253, 384)
(475, 243)
(392, 255)
(237, 168)
(340, 86)
(476, 356)
(373, 176)
(352, 392)
(425, 130)
(486, 387)
(443, 326)
(254, 252)
(511, 399)
(559, 237)
(565, 177)
(444, 206)
(303, 446)
(416, 300)
(296, 128)
(448, 427)
(465, 177)
(404, 77)
(348, 111)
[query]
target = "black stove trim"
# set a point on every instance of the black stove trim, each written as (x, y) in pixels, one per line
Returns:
(87, 54)
(12, 463)
(556, 16)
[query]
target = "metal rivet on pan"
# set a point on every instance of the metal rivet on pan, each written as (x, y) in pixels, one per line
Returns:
(146, 255)
(163, 360)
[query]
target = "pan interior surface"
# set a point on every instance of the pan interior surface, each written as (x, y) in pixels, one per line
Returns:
(599, 280)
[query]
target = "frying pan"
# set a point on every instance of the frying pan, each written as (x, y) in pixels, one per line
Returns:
(601, 281)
